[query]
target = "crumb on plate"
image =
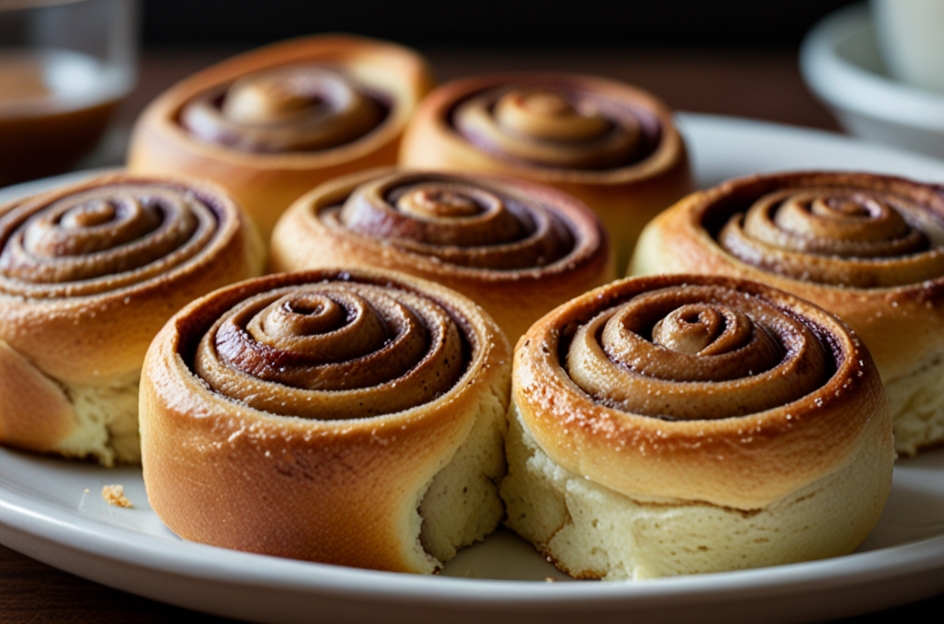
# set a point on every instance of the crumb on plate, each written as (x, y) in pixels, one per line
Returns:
(115, 495)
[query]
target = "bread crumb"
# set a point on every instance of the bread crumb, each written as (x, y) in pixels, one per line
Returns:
(115, 495)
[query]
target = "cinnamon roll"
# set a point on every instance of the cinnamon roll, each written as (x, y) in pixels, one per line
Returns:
(685, 424)
(868, 248)
(346, 417)
(88, 275)
(275, 122)
(611, 145)
(518, 249)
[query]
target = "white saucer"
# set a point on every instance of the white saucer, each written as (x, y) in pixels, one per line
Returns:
(840, 62)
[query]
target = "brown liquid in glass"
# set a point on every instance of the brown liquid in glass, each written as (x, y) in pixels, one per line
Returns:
(42, 132)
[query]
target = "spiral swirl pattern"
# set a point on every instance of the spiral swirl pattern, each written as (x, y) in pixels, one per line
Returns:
(696, 352)
(363, 409)
(557, 125)
(334, 350)
(839, 236)
(104, 238)
(702, 413)
(292, 108)
(698, 388)
(457, 221)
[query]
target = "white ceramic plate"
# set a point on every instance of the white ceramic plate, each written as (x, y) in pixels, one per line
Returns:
(52, 510)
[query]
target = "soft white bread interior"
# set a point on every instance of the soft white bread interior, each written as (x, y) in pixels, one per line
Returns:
(591, 531)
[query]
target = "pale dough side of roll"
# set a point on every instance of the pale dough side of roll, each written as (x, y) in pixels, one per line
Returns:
(591, 531)
(461, 505)
(106, 426)
(917, 402)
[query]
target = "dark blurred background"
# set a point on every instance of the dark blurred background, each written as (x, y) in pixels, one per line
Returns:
(654, 23)
(732, 57)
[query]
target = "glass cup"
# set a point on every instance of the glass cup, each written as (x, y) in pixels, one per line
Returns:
(64, 66)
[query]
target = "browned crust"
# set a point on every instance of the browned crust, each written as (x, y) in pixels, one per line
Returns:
(342, 492)
(626, 198)
(34, 412)
(265, 184)
(901, 325)
(740, 462)
(515, 299)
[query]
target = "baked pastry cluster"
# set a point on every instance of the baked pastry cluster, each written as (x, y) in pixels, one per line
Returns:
(346, 417)
(682, 424)
(611, 145)
(516, 248)
(868, 248)
(351, 412)
(273, 123)
(88, 275)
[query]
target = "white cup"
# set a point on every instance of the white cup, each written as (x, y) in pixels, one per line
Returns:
(910, 35)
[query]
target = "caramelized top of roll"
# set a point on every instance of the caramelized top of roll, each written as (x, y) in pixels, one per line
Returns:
(839, 229)
(475, 223)
(334, 350)
(104, 237)
(697, 352)
(736, 392)
(292, 108)
(557, 123)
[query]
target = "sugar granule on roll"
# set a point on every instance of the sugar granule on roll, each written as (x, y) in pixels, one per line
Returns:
(88, 275)
(273, 123)
(346, 417)
(611, 145)
(869, 248)
(516, 248)
(687, 424)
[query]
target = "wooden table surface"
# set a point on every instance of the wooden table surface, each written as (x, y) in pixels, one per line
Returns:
(760, 84)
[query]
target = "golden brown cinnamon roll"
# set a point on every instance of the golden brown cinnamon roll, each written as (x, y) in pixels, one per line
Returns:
(611, 145)
(684, 424)
(868, 248)
(518, 249)
(274, 123)
(363, 411)
(88, 275)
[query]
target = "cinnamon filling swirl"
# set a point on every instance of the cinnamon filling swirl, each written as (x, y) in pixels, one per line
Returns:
(333, 350)
(838, 236)
(456, 221)
(696, 352)
(103, 239)
(294, 108)
(556, 126)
